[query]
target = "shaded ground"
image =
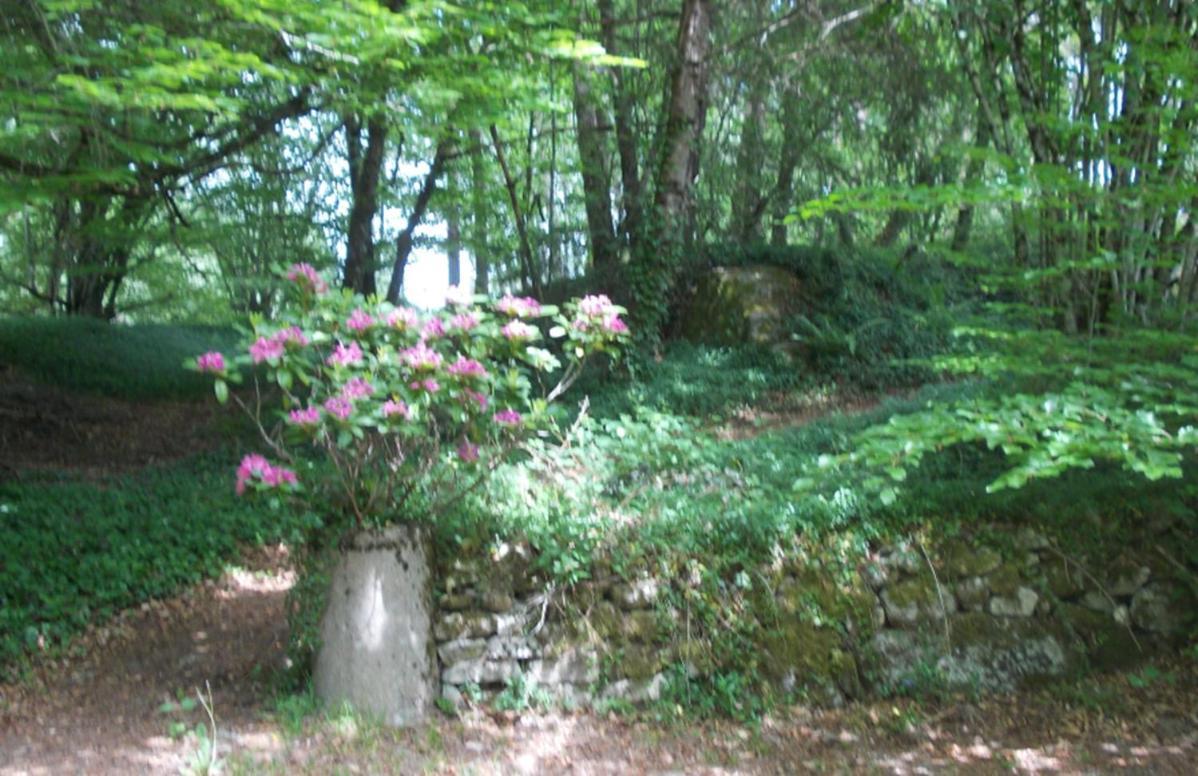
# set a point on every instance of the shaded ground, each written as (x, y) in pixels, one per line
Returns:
(42, 427)
(99, 713)
(98, 710)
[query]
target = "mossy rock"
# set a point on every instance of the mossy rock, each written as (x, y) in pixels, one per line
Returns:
(638, 662)
(962, 561)
(802, 650)
(1107, 644)
(1064, 580)
(733, 305)
(1006, 581)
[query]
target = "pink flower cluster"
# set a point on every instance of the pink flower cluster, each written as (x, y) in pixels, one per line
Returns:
(467, 367)
(345, 355)
(468, 451)
(339, 407)
(477, 397)
(421, 356)
(403, 318)
(272, 347)
(212, 361)
(356, 388)
(307, 276)
(256, 467)
(598, 309)
(508, 417)
(464, 321)
(359, 320)
(434, 328)
(519, 307)
(302, 417)
(518, 331)
(396, 407)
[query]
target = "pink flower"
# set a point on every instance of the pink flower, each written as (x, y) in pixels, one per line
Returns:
(421, 356)
(403, 318)
(256, 466)
(292, 335)
(429, 384)
(580, 324)
(277, 476)
(467, 451)
(508, 417)
(434, 328)
(212, 361)
(613, 325)
(467, 367)
(356, 388)
(518, 330)
(463, 321)
(359, 320)
(478, 398)
(345, 355)
(306, 275)
(339, 406)
(266, 348)
(393, 407)
(252, 465)
(594, 305)
(308, 417)
(518, 307)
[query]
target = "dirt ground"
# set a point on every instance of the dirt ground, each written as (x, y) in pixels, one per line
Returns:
(99, 712)
(99, 709)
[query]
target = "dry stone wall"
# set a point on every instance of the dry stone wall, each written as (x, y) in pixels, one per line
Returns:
(988, 616)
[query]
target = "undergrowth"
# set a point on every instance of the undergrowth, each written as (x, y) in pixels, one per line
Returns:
(76, 552)
(135, 362)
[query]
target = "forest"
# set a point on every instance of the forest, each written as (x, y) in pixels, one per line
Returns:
(771, 358)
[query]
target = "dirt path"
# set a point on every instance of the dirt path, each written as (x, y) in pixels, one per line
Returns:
(99, 711)
(99, 714)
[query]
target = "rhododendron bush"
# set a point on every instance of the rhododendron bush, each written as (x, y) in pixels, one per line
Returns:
(408, 409)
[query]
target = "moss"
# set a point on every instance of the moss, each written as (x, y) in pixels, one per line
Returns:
(801, 648)
(735, 305)
(1107, 644)
(639, 662)
(962, 561)
(1006, 581)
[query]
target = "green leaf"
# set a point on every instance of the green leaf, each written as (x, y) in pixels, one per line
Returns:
(222, 390)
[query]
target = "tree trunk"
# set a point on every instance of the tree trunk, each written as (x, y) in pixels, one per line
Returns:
(453, 240)
(532, 279)
(748, 203)
(405, 240)
(595, 184)
(788, 160)
(685, 114)
(479, 220)
(630, 179)
(365, 169)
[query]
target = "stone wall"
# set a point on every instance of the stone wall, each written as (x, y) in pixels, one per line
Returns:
(989, 616)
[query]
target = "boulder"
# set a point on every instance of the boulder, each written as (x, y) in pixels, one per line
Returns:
(732, 305)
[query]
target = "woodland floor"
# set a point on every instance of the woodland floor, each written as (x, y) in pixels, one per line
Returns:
(98, 709)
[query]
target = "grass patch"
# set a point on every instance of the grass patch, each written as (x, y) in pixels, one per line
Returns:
(77, 552)
(137, 362)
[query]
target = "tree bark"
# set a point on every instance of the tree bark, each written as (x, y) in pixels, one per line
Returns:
(479, 220)
(365, 169)
(531, 277)
(748, 202)
(406, 238)
(630, 179)
(596, 186)
(686, 113)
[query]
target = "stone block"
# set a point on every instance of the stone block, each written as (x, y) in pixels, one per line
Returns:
(1021, 604)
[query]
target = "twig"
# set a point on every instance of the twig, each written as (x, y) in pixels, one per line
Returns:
(1086, 572)
(948, 641)
(208, 707)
